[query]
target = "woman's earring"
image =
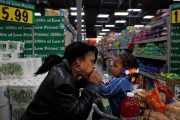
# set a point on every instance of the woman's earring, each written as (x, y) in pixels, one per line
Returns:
(78, 67)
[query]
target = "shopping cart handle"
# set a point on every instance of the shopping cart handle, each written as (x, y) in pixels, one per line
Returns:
(102, 114)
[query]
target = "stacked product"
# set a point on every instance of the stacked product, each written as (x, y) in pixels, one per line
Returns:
(21, 94)
(10, 50)
(17, 93)
(18, 86)
(5, 113)
(152, 68)
(154, 49)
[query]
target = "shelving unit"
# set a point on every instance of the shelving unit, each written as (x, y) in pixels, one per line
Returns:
(164, 59)
(152, 57)
(68, 26)
(159, 22)
(147, 74)
(152, 40)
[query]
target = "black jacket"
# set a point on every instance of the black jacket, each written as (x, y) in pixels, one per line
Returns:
(58, 97)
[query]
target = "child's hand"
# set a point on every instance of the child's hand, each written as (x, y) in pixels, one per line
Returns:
(105, 82)
(95, 77)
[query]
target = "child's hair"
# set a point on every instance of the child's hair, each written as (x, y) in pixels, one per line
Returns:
(130, 62)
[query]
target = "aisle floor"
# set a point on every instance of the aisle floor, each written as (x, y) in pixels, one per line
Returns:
(99, 68)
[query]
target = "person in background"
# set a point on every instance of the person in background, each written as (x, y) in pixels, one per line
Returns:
(124, 71)
(58, 95)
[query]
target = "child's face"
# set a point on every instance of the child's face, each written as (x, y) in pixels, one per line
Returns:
(117, 67)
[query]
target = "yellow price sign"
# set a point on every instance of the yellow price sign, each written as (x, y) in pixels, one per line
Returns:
(175, 16)
(13, 14)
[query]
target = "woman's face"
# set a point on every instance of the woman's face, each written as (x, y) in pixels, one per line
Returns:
(117, 67)
(88, 65)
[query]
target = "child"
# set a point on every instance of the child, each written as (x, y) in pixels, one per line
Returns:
(124, 71)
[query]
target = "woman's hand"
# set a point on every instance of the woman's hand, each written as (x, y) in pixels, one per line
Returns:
(95, 77)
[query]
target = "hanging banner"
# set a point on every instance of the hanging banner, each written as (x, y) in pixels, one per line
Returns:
(13, 11)
(175, 39)
(48, 35)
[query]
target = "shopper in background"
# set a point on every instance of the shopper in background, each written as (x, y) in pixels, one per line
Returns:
(58, 95)
(124, 71)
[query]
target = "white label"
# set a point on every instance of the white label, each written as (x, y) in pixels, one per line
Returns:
(163, 97)
(177, 91)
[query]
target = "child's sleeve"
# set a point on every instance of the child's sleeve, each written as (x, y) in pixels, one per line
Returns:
(115, 86)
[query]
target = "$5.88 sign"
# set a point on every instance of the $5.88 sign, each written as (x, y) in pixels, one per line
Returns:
(13, 14)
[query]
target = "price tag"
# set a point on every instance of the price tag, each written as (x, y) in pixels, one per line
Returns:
(177, 91)
(13, 14)
(175, 16)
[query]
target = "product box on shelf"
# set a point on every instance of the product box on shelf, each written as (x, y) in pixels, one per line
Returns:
(8, 56)
(17, 111)
(15, 46)
(3, 46)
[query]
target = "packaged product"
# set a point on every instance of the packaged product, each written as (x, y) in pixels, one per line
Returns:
(165, 92)
(154, 100)
(155, 115)
(173, 110)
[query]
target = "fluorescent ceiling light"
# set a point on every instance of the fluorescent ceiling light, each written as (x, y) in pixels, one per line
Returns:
(73, 8)
(98, 25)
(134, 10)
(130, 10)
(103, 15)
(102, 33)
(75, 13)
(82, 29)
(109, 25)
(137, 10)
(105, 29)
(82, 25)
(37, 14)
(81, 20)
(148, 17)
(138, 25)
(121, 13)
(99, 36)
(120, 21)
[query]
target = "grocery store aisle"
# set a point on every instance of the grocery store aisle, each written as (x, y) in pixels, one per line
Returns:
(99, 68)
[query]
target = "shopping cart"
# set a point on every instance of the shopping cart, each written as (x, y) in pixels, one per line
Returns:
(106, 116)
(103, 115)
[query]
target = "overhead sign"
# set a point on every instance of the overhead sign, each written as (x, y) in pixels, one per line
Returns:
(12, 11)
(175, 39)
(175, 13)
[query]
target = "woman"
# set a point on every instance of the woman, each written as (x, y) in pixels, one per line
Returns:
(58, 95)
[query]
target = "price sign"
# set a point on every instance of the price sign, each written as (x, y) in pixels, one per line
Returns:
(14, 14)
(175, 16)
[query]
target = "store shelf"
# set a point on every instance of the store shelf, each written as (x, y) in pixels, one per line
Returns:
(68, 25)
(152, 40)
(146, 74)
(152, 57)
(159, 22)
(123, 48)
(113, 48)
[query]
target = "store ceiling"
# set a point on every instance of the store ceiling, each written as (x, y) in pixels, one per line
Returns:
(94, 7)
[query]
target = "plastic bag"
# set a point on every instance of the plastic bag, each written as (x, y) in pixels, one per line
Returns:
(172, 110)
(165, 92)
(154, 100)
(155, 116)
